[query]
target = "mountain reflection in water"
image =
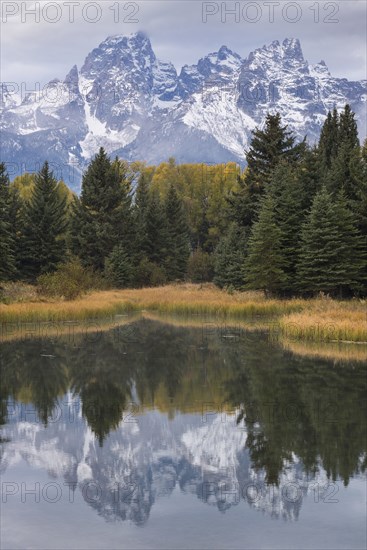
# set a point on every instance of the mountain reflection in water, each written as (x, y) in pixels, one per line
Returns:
(167, 408)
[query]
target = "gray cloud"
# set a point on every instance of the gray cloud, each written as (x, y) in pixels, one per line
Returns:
(39, 51)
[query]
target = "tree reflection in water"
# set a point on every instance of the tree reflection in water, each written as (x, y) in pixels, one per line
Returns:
(224, 420)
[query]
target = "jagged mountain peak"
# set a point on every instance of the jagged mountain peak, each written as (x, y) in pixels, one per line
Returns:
(128, 101)
(224, 56)
(134, 39)
(273, 46)
(215, 68)
(72, 78)
(72, 74)
(119, 53)
(289, 50)
(320, 69)
(292, 48)
(224, 53)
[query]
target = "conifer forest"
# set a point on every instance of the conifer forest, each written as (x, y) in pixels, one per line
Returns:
(292, 222)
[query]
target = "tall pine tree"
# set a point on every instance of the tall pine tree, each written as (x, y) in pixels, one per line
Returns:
(347, 130)
(265, 264)
(156, 246)
(359, 205)
(331, 258)
(7, 234)
(118, 267)
(328, 142)
(309, 176)
(268, 147)
(288, 193)
(42, 244)
(229, 258)
(141, 206)
(178, 243)
(240, 205)
(101, 218)
(338, 150)
(352, 258)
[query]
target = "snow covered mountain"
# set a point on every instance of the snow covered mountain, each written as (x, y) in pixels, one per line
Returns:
(138, 107)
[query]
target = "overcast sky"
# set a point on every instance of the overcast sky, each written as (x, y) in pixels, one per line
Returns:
(180, 31)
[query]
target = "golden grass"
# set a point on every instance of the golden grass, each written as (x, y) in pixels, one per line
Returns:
(313, 320)
(327, 322)
(189, 299)
(179, 299)
(92, 306)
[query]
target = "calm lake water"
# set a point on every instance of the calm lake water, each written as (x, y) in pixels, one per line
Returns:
(154, 435)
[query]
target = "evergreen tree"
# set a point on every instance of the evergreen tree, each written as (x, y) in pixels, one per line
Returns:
(328, 142)
(352, 258)
(118, 267)
(42, 244)
(341, 173)
(7, 235)
(338, 150)
(359, 205)
(156, 246)
(268, 147)
(15, 210)
(178, 244)
(229, 258)
(288, 193)
(331, 258)
(309, 176)
(141, 206)
(101, 218)
(240, 204)
(123, 219)
(142, 193)
(347, 129)
(319, 242)
(265, 264)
